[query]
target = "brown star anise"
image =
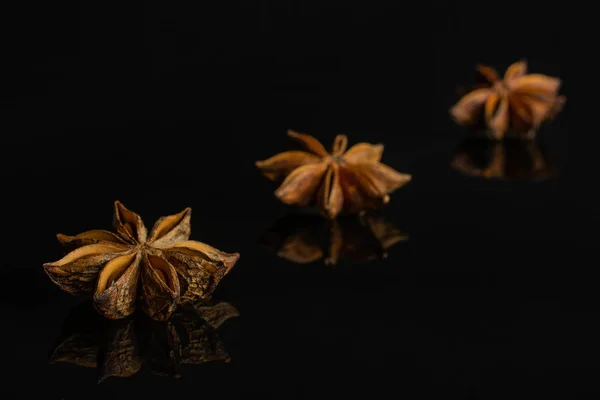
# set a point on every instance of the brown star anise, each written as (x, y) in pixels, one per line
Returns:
(304, 239)
(515, 105)
(162, 267)
(120, 348)
(341, 181)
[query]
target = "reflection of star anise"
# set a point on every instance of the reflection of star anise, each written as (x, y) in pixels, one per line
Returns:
(302, 238)
(163, 265)
(510, 160)
(341, 181)
(119, 348)
(515, 105)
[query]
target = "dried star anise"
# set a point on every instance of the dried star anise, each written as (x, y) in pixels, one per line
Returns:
(164, 264)
(513, 106)
(341, 181)
(304, 239)
(506, 160)
(120, 348)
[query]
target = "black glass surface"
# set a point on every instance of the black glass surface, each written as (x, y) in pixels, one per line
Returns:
(475, 282)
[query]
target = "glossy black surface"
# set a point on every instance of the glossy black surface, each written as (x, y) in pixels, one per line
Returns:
(493, 294)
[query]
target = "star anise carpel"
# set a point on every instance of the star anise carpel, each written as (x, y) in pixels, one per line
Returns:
(516, 104)
(343, 180)
(158, 269)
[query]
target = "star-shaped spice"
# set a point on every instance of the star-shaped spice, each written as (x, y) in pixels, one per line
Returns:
(120, 348)
(515, 105)
(304, 239)
(160, 268)
(341, 181)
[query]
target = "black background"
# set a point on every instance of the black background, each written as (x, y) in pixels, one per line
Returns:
(165, 105)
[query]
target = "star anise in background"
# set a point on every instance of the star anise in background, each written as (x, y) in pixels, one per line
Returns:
(162, 267)
(305, 238)
(508, 160)
(514, 106)
(341, 181)
(119, 348)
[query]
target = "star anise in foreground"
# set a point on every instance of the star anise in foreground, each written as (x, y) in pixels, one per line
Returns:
(515, 105)
(303, 239)
(119, 348)
(341, 181)
(507, 160)
(162, 267)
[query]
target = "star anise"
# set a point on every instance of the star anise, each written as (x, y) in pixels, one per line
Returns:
(304, 239)
(506, 160)
(162, 267)
(341, 181)
(120, 348)
(515, 105)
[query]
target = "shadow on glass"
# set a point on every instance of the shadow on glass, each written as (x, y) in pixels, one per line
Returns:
(120, 347)
(514, 160)
(306, 238)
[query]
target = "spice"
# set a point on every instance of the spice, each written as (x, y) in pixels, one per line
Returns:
(515, 105)
(341, 181)
(304, 239)
(162, 267)
(119, 348)
(515, 161)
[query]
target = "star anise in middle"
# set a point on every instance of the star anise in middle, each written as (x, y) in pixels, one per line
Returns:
(341, 181)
